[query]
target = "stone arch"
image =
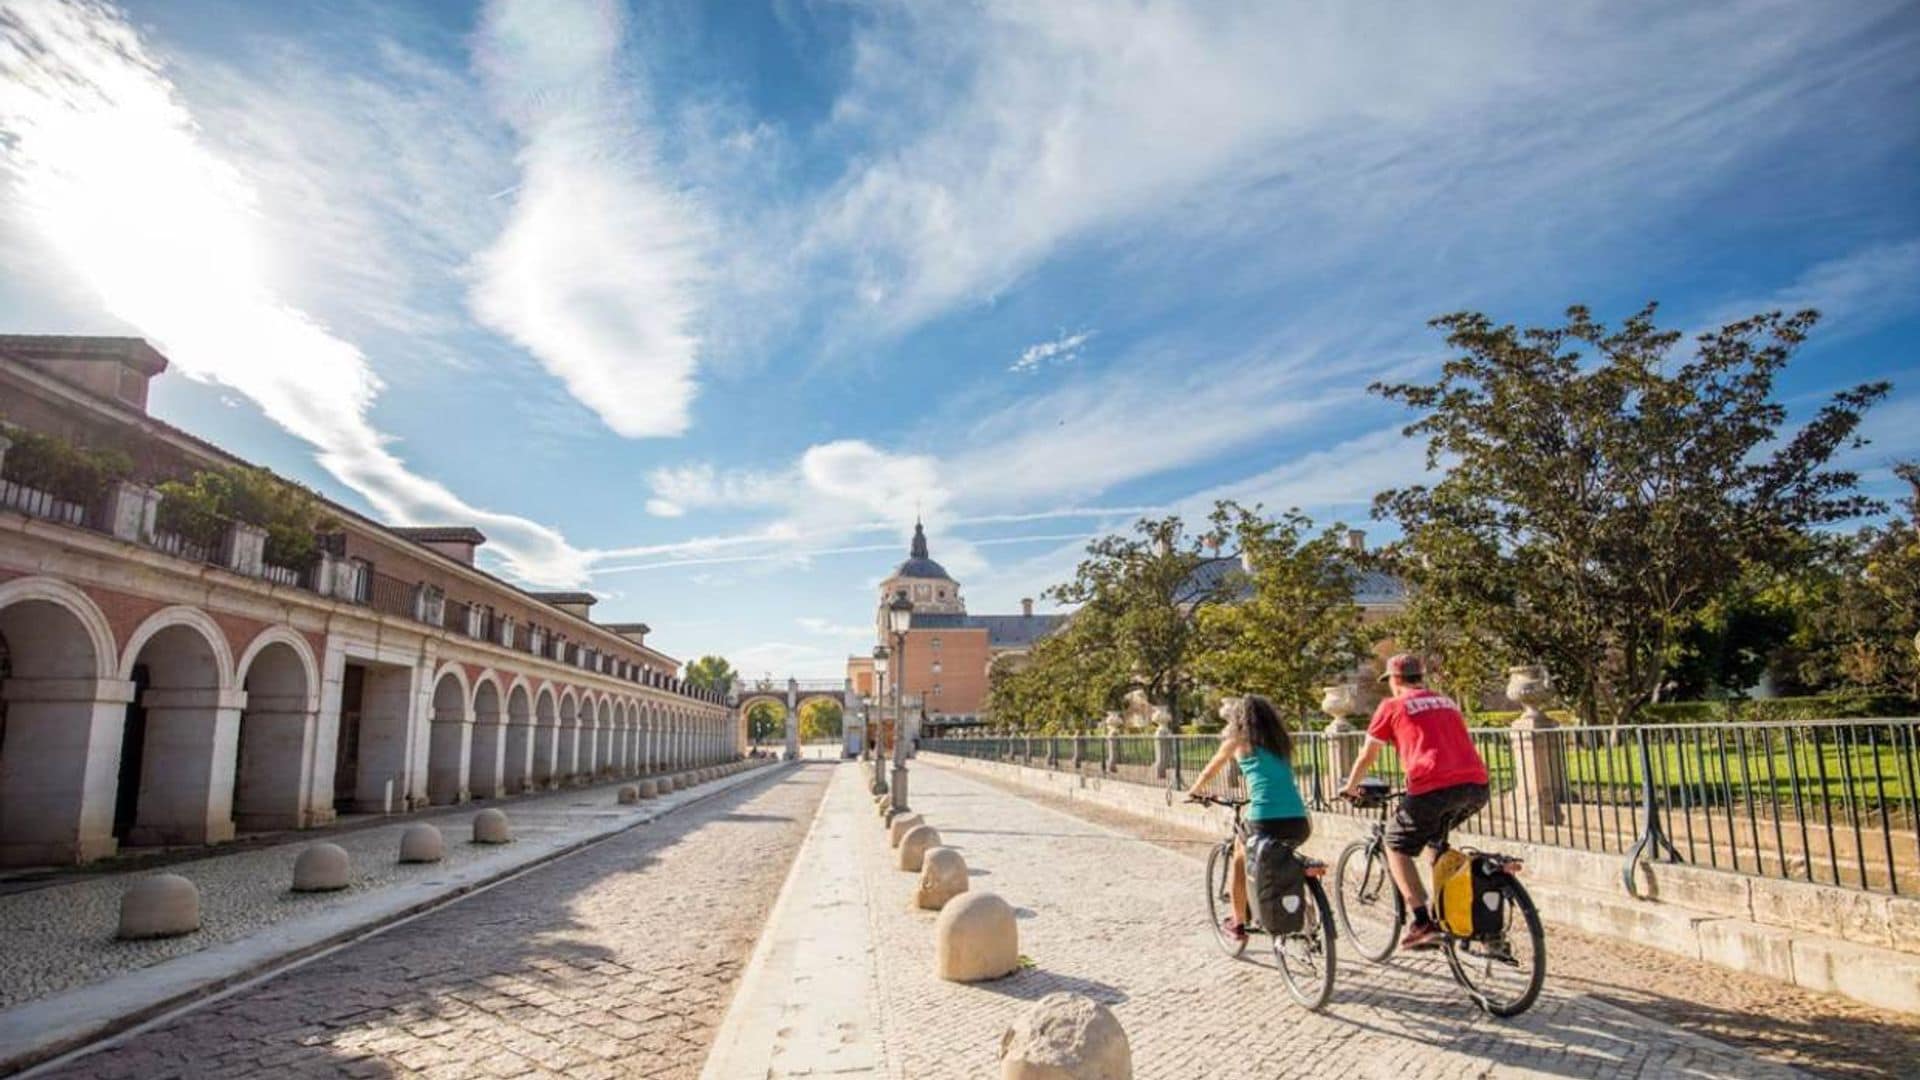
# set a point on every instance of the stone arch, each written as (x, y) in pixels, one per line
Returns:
(486, 771)
(546, 737)
(516, 767)
(179, 615)
(587, 759)
(181, 737)
(274, 760)
(62, 714)
(450, 738)
(636, 738)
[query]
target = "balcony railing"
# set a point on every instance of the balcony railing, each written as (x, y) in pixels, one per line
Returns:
(128, 512)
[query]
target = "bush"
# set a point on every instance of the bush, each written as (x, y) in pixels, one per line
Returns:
(199, 508)
(65, 470)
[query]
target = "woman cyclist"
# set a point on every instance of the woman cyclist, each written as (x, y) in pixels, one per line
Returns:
(1256, 740)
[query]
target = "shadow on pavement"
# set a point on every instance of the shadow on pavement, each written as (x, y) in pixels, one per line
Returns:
(525, 955)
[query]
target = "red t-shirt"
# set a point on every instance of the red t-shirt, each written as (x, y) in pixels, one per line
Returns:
(1431, 735)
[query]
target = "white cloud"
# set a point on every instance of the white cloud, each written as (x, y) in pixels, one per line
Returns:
(173, 248)
(599, 269)
(1064, 349)
(665, 508)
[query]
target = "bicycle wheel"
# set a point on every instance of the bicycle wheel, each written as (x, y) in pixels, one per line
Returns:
(1220, 898)
(1504, 977)
(1307, 958)
(1371, 910)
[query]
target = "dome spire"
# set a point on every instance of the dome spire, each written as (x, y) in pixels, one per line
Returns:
(919, 550)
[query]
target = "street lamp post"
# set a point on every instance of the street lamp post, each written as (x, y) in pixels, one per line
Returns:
(874, 729)
(899, 618)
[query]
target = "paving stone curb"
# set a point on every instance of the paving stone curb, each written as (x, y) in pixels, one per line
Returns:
(38, 1032)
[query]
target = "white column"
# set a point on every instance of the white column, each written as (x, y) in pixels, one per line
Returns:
(60, 772)
(186, 767)
(276, 750)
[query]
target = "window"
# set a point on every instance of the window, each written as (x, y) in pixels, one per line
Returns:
(936, 667)
(936, 643)
(940, 593)
(936, 689)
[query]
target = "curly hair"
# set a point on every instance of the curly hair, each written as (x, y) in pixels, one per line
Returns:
(1254, 720)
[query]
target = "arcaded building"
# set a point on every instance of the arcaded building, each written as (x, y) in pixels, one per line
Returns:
(949, 652)
(163, 686)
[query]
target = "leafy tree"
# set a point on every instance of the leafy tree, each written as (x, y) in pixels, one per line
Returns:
(766, 722)
(711, 673)
(1860, 608)
(1066, 682)
(64, 469)
(1600, 492)
(1296, 626)
(820, 719)
(1138, 597)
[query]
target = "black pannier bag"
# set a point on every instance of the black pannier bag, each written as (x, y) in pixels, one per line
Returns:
(1278, 885)
(1489, 903)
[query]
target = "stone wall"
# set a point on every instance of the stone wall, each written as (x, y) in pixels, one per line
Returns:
(1860, 944)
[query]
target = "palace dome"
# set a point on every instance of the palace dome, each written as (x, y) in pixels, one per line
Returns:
(918, 564)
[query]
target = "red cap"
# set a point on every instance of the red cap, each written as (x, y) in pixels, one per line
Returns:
(1403, 666)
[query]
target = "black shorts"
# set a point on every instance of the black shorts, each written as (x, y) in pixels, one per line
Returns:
(1424, 820)
(1291, 830)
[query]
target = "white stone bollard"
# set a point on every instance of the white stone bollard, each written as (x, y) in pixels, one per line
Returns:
(1066, 1037)
(649, 789)
(422, 843)
(628, 794)
(943, 876)
(490, 826)
(164, 905)
(914, 845)
(976, 938)
(321, 868)
(899, 826)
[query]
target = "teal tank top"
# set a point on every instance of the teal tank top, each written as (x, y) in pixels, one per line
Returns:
(1272, 791)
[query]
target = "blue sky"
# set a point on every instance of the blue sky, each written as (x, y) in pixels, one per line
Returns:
(695, 304)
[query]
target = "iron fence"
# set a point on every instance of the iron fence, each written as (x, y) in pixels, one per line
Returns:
(1834, 802)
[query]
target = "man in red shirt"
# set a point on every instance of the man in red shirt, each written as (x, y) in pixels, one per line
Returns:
(1446, 780)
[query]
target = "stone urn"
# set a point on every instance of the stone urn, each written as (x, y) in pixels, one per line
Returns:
(1340, 701)
(1529, 687)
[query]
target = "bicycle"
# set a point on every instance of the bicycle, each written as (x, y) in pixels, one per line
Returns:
(1306, 957)
(1481, 963)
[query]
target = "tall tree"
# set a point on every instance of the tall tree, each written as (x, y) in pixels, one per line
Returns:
(766, 722)
(1599, 491)
(820, 719)
(1139, 595)
(711, 673)
(1294, 624)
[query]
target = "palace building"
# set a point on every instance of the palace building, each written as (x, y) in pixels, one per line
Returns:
(949, 652)
(171, 676)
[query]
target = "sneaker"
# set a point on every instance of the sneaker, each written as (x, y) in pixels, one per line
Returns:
(1234, 928)
(1420, 936)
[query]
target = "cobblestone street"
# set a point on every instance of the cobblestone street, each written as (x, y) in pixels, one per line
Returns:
(616, 961)
(1115, 917)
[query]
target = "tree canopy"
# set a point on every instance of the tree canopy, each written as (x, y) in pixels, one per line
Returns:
(711, 673)
(820, 719)
(1600, 491)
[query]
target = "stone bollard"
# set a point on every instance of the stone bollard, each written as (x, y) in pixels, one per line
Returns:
(943, 876)
(164, 905)
(422, 843)
(628, 794)
(899, 826)
(976, 938)
(914, 844)
(649, 789)
(491, 827)
(321, 868)
(1066, 1037)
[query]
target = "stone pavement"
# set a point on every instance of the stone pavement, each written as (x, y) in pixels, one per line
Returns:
(614, 961)
(807, 1003)
(1123, 920)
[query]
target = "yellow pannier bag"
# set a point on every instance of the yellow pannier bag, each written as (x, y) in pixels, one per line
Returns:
(1453, 892)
